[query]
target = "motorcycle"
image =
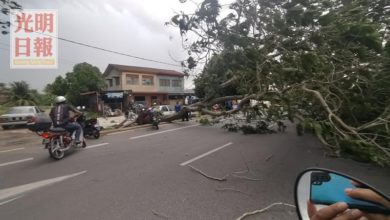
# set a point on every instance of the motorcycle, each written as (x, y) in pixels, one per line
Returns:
(91, 128)
(318, 190)
(56, 140)
(155, 122)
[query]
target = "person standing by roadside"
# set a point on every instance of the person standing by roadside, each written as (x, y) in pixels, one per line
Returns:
(177, 107)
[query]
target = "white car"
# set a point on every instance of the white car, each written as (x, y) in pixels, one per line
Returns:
(166, 110)
(19, 115)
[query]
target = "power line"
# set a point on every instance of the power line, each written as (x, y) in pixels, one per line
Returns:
(103, 49)
(71, 62)
(107, 50)
(116, 52)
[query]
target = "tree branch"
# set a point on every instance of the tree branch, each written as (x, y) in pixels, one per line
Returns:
(264, 209)
(208, 176)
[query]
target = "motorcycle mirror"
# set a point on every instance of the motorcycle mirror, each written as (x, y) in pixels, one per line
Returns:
(317, 188)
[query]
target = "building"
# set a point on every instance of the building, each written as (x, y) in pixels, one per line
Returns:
(142, 85)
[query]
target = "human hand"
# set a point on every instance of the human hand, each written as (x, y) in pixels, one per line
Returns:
(369, 195)
(337, 211)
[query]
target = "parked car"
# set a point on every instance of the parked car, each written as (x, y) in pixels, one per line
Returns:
(20, 115)
(166, 110)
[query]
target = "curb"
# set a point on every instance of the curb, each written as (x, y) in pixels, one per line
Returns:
(105, 132)
(114, 130)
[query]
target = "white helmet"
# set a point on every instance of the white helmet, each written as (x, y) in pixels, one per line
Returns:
(59, 99)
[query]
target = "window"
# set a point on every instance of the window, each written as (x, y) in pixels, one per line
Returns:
(147, 80)
(117, 81)
(165, 83)
(109, 82)
(176, 83)
(132, 79)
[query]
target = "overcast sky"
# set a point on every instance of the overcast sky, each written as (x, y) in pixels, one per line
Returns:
(130, 26)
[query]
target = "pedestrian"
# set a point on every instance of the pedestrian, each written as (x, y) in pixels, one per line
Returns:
(127, 113)
(177, 107)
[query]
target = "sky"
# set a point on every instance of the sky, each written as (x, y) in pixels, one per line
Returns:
(129, 26)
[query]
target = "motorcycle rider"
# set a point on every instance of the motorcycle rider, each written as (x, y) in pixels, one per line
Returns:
(60, 117)
(152, 110)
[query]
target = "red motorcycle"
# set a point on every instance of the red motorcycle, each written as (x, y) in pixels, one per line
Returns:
(56, 140)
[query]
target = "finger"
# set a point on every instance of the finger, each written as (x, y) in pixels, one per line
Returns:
(353, 214)
(358, 184)
(368, 195)
(311, 209)
(330, 211)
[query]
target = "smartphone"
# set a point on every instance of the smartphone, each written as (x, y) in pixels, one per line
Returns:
(328, 188)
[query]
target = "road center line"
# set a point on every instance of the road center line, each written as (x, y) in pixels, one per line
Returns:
(8, 201)
(155, 133)
(15, 162)
(6, 194)
(205, 154)
(16, 149)
(96, 145)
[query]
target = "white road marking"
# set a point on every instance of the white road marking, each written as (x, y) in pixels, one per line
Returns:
(155, 133)
(205, 154)
(16, 149)
(96, 145)
(8, 201)
(6, 194)
(15, 162)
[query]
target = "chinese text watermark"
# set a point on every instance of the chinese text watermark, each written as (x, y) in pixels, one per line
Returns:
(34, 42)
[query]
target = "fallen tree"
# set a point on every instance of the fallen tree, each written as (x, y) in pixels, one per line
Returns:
(324, 63)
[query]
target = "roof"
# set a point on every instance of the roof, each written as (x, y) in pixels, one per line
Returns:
(189, 91)
(138, 69)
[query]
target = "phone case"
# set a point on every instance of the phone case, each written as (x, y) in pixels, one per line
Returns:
(327, 192)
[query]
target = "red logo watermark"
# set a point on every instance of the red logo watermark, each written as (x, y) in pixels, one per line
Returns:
(34, 42)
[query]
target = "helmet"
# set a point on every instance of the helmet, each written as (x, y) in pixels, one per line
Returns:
(59, 99)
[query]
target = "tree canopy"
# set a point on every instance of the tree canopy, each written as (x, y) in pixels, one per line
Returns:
(6, 7)
(20, 93)
(83, 78)
(326, 61)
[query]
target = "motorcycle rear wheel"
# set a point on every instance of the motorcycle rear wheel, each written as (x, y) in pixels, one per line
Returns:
(56, 154)
(96, 134)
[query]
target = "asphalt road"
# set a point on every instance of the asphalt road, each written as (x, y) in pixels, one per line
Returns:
(144, 174)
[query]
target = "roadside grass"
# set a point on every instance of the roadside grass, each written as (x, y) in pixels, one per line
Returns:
(92, 115)
(3, 109)
(46, 109)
